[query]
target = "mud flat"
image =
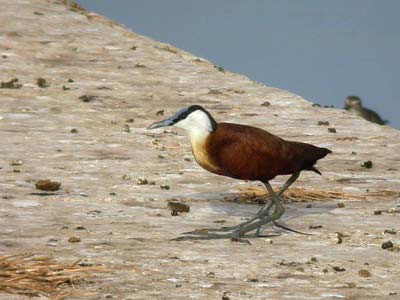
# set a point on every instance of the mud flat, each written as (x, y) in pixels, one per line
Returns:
(86, 90)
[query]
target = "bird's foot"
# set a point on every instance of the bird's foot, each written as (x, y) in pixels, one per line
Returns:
(204, 235)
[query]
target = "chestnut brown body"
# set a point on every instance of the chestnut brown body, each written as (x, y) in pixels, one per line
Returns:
(250, 153)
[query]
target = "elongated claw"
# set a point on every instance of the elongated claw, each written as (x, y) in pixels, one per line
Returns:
(210, 236)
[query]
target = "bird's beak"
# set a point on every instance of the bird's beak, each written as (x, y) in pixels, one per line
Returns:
(166, 122)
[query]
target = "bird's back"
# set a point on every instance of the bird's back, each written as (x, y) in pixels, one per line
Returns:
(250, 153)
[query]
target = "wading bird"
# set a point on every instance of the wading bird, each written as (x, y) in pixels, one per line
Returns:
(246, 153)
(354, 105)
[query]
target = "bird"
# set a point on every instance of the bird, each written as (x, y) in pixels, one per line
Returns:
(353, 104)
(244, 152)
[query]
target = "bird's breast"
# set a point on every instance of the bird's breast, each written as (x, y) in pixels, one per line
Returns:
(202, 154)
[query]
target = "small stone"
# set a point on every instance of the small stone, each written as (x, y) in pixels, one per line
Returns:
(178, 207)
(130, 120)
(323, 123)
(300, 269)
(74, 130)
(266, 104)
(353, 153)
(80, 228)
(42, 83)
(316, 105)
(17, 163)
(65, 88)
(387, 245)
(325, 270)
(309, 205)
(74, 239)
(315, 226)
(142, 181)
(12, 84)
(367, 164)
(313, 259)
(211, 274)
(126, 128)
(126, 177)
(251, 280)
(338, 269)
(160, 113)
(7, 197)
(160, 156)
(87, 98)
(339, 236)
(112, 194)
(47, 185)
(340, 204)
(16, 171)
(70, 80)
(187, 159)
(392, 293)
(390, 231)
(377, 212)
(164, 187)
(392, 210)
(178, 285)
(364, 273)
(332, 130)
(133, 48)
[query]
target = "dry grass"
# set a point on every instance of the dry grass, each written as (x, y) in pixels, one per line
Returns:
(259, 196)
(33, 275)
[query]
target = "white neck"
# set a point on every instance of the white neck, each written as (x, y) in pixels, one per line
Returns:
(197, 125)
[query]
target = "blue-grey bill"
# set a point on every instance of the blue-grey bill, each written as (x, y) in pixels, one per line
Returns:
(166, 122)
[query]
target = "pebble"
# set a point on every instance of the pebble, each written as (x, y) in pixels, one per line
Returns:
(332, 130)
(47, 185)
(126, 177)
(266, 104)
(18, 162)
(338, 269)
(390, 231)
(74, 239)
(387, 245)
(367, 164)
(142, 181)
(164, 187)
(340, 204)
(364, 273)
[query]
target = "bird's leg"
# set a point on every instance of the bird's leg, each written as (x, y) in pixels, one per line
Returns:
(276, 198)
(263, 211)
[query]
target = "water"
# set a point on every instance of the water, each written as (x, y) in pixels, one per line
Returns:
(321, 50)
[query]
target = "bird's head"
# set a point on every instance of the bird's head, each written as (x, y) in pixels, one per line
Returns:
(353, 102)
(194, 119)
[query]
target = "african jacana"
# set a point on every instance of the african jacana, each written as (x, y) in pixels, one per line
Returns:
(354, 105)
(246, 153)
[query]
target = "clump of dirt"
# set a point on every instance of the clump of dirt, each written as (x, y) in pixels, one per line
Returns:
(42, 83)
(47, 185)
(178, 207)
(12, 84)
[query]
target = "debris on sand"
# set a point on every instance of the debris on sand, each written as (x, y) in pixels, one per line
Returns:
(74, 239)
(12, 84)
(253, 195)
(88, 98)
(367, 164)
(42, 83)
(364, 273)
(178, 207)
(387, 245)
(16, 163)
(35, 276)
(47, 185)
